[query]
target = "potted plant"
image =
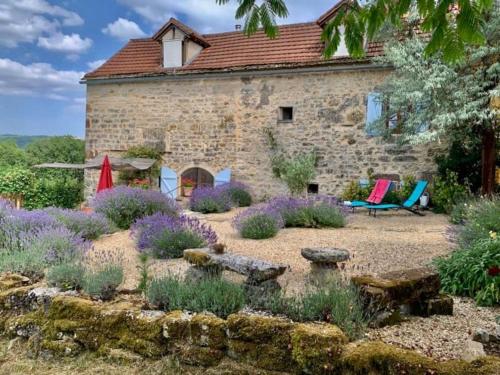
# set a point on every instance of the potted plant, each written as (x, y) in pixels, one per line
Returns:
(142, 183)
(187, 186)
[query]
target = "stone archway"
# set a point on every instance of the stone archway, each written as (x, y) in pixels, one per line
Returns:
(200, 177)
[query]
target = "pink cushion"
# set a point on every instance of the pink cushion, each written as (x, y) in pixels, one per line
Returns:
(379, 191)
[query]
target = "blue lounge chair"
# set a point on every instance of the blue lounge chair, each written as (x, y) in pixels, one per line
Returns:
(407, 205)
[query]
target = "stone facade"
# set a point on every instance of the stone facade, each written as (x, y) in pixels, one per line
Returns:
(218, 122)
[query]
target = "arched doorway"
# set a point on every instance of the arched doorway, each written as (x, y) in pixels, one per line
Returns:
(194, 178)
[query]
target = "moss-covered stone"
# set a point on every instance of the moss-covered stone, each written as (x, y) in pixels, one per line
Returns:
(61, 348)
(259, 329)
(176, 325)
(265, 356)
(197, 257)
(400, 287)
(381, 358)
(440, 305)
(12, 280)
(198, 356)
(24, 325)
(316, 347)
(16, 299)
(208, 331)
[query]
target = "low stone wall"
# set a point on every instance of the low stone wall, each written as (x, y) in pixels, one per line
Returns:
(64, 324)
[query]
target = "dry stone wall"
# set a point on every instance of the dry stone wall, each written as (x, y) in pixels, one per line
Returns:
(217, 122)
(58, 324)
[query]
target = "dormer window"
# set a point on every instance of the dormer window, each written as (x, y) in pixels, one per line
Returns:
(180, 44)
(342, 49)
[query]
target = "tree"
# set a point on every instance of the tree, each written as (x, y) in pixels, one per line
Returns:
(453, 24)
(11, 155)
(426, 99)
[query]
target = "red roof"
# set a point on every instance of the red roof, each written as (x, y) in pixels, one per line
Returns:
(296, 45)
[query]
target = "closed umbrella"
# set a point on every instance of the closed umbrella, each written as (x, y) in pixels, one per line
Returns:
(106, 179)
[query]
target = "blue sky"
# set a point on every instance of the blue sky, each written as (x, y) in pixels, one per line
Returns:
(47, 45)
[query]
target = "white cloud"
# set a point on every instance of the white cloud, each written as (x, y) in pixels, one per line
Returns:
(25, 21)
(95, 64)
(206, 16)
(58, 42)
(39, 79)
(124, 30)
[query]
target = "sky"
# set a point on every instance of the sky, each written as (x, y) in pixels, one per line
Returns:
(46, 46)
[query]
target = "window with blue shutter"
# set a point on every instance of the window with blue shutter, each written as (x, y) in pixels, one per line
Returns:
(373, 113)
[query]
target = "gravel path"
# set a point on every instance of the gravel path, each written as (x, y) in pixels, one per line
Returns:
(392, 241)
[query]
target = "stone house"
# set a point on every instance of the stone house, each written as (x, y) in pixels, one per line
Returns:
(208, 101)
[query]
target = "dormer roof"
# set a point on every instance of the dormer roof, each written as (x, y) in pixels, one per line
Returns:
(190, 33)
(330, 13)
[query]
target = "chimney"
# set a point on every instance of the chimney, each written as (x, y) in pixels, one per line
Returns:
(237, 27)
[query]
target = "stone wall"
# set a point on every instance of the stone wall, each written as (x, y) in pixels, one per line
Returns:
(64, 324)
(219, 122)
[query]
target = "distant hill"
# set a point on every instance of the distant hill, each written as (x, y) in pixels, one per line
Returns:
(21, 140)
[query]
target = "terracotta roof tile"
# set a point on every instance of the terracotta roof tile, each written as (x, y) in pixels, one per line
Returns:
(296, 45)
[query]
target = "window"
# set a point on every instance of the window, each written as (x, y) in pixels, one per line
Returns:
(313, 189)
(285, 114)
(377, 107)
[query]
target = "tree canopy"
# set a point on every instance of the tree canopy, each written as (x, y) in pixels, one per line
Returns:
(452, 24)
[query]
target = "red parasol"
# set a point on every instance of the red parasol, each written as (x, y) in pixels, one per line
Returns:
(106, 179)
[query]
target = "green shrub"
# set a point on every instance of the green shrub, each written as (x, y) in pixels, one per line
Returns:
(473, 272)
(333, 301)
(171, 244)
(481, 217)
(54, 191)
(355, 192)
(215, 295)
(447, 192)
(30, 263)
(103, 282)
(67, 276)
(258, 227)
(240, 197)
(317, 216)
(327, 216)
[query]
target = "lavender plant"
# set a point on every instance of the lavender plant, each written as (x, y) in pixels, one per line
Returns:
(103, 273)
(314, 212)
(168, 236)
(210, 199)
(239, 193)
(123, 205)
(16, 224)
(89, 226)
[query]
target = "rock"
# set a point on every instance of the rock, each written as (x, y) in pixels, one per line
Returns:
(386, 318)
(325, 255)
(12, 280)
(472, 351)
(392, 289)
(440, 305)
(42, 297)
(256, 270)
(317, 346)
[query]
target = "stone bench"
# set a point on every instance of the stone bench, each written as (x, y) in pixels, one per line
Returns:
(258, 272)
(406, 292)
(324, 260)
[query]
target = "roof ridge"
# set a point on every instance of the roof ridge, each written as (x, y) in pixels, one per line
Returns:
(288, 25)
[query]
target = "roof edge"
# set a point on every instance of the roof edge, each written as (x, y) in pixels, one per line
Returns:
(325, 17)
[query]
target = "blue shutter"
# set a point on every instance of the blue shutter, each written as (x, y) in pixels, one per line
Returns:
(168, 182)
(373, 112)
(223, 177)
(424, 126)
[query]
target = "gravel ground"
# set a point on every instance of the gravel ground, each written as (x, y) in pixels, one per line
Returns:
(392, 241)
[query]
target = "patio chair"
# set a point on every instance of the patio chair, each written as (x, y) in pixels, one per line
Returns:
(376, 196)
(407, 205)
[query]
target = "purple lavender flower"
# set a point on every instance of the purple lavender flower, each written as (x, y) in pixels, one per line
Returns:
(58, 244)
(18, 223)
(123, 205)
(260, 209)
(152, 231)
(210, 199)
(88, 225)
